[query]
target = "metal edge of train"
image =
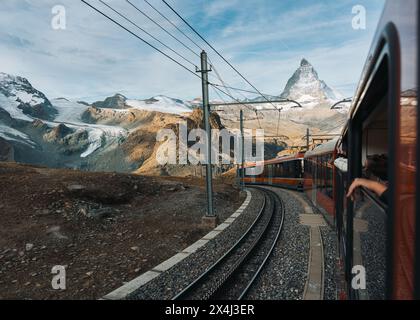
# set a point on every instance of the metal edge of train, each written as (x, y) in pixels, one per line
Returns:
(382, 238)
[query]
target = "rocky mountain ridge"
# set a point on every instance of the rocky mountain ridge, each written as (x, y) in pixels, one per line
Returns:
(119, 134)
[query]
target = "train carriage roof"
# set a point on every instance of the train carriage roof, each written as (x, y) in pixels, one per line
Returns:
(297, 156)
(327, 147)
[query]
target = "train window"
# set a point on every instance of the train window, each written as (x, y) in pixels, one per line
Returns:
(325, 175)
(369, 215)
(370, 221)
(329, 176)
(374, 146)
(341, 206)
(369, 245)
(319, 173)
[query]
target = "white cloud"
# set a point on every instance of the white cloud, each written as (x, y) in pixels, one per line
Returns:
(216, 7)
(94, 58)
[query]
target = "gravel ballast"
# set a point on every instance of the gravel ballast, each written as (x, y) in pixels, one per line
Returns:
(172, 281)
(285, 274)
(329, 240)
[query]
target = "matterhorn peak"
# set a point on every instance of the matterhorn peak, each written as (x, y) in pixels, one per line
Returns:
(305, 63)
(306, 87)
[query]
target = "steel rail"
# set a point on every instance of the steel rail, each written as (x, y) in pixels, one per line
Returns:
(223, 282)
(201, 277)
(257, 273)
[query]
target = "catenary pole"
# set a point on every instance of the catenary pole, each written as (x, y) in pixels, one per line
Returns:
(206, 110)
(242, 171)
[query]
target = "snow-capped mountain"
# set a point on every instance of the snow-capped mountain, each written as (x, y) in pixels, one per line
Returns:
(161, 104)
(306, 87)
(22, 101)
(119, 133)
(60, 132)
(286, 120)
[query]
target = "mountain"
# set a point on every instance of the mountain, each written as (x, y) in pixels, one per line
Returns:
(162, 104)
(306, 87)
(116, 134)
(119, 133)
(288, 124)
(23, 100)
(115, 102)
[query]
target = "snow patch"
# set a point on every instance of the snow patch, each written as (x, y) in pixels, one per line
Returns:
(15, 135)
(161, 104)
(68, 110)
(11, 106)
(70, 114)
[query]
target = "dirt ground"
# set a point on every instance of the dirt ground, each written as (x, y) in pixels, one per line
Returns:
(105, 228)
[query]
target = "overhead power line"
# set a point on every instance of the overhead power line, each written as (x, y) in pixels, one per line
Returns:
(214, 86)
(190, 39)
(162, 28)
(243, 90)
(174, 25)
(139, 38)
(216, 51)
(239, 103)
(219, 95)
(148, 33)
(218, 76)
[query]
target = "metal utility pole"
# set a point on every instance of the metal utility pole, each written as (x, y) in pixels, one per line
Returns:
(307, 139)
(206, 110)
(242, 171)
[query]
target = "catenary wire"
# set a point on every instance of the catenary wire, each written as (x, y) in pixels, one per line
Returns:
(139, 38)
(146, 32)
(216, 51)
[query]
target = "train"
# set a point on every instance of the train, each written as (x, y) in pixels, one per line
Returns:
(285, 172)
(380, 142)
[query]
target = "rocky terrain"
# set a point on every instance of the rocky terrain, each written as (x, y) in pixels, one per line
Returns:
(289, 125)
(111, 135)
(103, 236)
(119, 134)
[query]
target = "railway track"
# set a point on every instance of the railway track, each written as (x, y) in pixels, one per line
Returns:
(232, 276)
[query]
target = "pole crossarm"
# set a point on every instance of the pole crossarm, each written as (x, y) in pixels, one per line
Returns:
(298, 105)
(340, 102)
(322, 136)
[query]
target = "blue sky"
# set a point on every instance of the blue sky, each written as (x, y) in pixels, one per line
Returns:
(264, 39)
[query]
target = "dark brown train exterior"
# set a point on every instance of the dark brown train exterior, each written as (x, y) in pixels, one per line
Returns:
(285, 172)
(382, 238)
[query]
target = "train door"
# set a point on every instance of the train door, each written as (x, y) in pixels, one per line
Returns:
(270, 174)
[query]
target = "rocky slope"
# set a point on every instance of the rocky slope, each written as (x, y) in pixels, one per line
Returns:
(105, 235)
(289, 124)
(306, 87)
(119, 134)
(116, 134)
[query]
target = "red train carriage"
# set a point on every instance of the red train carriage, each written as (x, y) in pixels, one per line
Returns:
(285, 172)
(319, 178)
(380, 234)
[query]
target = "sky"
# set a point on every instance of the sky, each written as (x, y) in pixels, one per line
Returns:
(91, 58)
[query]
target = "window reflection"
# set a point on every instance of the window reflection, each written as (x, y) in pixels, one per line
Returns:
(369, 245)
